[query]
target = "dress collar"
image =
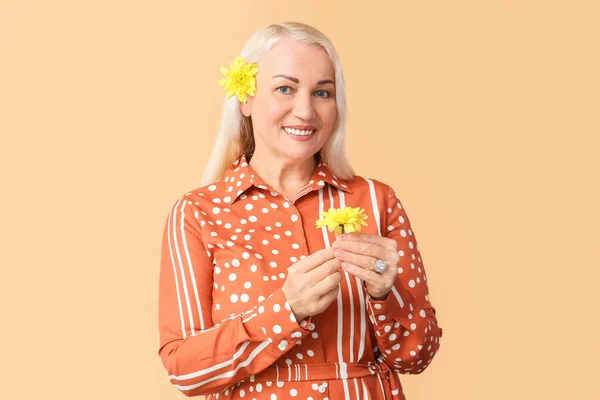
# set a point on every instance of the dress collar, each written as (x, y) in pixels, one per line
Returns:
(240, 176)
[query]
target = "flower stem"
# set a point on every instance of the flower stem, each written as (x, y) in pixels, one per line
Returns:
(342, 229)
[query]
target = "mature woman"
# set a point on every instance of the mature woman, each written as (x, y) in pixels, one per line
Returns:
(257, 302)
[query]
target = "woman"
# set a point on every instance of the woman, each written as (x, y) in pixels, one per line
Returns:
(255, 301)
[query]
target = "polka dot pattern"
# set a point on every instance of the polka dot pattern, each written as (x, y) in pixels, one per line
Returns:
(228, 250)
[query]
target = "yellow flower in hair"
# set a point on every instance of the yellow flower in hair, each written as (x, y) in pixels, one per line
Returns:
(240, 79)
(341, 220)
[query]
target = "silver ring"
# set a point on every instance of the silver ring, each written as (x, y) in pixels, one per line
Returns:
(380, 266)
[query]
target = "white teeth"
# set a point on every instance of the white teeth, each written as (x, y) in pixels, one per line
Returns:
(298, 132)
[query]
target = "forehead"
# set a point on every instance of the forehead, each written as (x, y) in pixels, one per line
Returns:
(290, 57)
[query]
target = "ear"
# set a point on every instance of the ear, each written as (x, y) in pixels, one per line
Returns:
(246, 107)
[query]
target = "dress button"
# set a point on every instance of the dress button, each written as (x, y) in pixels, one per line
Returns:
(323, 387)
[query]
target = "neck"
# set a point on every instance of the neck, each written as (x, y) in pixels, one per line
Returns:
(284, 175)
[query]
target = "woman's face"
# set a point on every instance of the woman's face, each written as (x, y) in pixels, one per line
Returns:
(294, 109)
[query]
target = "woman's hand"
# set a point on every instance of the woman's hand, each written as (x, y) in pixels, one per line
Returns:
(312, 283)
(358, 252)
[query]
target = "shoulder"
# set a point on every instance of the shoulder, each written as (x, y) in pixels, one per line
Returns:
(375, 187)
(202, 198)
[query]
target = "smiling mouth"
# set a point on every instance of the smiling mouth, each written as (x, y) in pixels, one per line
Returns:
(298, 132)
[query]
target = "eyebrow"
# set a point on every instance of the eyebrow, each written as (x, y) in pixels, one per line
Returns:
(291, 78)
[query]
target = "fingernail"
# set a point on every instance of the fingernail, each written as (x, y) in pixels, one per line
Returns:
(339, 253)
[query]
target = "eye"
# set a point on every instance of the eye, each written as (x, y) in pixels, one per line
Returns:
(323, 93)
(284, 87)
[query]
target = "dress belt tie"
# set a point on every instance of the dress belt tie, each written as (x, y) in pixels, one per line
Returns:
(323, 371)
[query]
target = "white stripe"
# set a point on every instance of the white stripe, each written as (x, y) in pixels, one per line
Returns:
(397, 295)
(350, 295)
(175, 269)
(230, 373)
(374, 204)
(381, 384)
(321, 208)
(350, 290)
(277, 377)
(306, 370)
(213, 368)
(365, 392)
(192, 276)
(346, 390)
(356, 388)
(343, 370)
(183, 280)
(289, 373)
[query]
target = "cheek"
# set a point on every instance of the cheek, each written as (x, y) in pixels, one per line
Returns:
(329, 115)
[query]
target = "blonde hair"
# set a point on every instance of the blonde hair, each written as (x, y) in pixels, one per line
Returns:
(236, 138)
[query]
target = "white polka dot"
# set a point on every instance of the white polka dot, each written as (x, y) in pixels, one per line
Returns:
(282, 345)
(232, 277)
(246, 255)
(216, 210)
(277, 329)
(293, 392)
(261, 309)
(422, 313)
(314, 386)
(247, 285)
(315, 335)
(413, 326)
(234, 298)
(276, 307)
(235, 262)
(396, 346)
(411, 283)
(295, 246)
(378, 306)
(294, 218)
(242, 393)
(274, 396)
(253, 268)
(393, 336)
(259, 387)
(212, 188)
(245, 298)
(310, 353)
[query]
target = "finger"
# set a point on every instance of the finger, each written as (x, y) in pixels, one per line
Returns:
(366, 275)
(327, 298)
(322, 271)
(327, 284)
(314, 260)
(364, 248)
(377, 240)
(367, 261)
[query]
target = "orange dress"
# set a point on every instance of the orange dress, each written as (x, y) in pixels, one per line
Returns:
(226, 329)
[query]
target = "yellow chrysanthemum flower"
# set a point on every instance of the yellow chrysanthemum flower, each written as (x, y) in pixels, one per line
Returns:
(341, 220)
(240, 80)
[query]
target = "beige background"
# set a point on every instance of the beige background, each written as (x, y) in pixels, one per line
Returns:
(484, 116)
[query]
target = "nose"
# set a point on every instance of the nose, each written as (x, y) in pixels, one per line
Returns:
(303, 106)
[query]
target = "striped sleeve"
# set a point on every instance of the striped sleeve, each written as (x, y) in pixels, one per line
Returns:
(202, 357)
(405, 322)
